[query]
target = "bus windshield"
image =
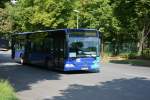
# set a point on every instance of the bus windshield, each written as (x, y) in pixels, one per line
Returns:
(83, 46)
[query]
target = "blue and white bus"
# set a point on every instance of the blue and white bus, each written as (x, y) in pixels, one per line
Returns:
(62, 49)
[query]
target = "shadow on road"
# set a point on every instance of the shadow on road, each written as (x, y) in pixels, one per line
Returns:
(5, 58)
(22, 77)
(145, 63)
(74, 72)
(117, 89)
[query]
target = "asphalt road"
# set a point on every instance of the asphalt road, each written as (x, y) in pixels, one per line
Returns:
(114, 82)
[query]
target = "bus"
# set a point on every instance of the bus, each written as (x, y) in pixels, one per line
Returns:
(60, 49)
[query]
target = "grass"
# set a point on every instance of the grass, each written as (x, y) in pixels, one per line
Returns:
(107, 58)
(6, 91)
(126, 58)
(134, 62)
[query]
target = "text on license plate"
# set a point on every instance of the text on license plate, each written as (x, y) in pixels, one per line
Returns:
(84, 68)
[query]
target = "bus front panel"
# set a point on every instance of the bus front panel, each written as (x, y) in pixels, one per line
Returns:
(83, 53)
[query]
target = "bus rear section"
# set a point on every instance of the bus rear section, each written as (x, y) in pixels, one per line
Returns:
(44, 48)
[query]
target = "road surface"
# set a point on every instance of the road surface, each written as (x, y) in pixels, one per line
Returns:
(114, 82)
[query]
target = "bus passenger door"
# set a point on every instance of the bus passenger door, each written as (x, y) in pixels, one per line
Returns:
(56, 52)
(59, 53)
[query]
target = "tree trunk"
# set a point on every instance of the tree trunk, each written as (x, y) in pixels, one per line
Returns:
(140, 48)
(141, 42)
(102, 49)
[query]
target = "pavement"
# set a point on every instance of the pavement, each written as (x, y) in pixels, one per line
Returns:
(114, 82)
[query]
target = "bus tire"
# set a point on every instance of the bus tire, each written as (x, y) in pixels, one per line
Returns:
(21, 59)
(95, 71)
(48, 64)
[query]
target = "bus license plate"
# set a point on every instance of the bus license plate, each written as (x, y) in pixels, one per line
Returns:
(84, 68)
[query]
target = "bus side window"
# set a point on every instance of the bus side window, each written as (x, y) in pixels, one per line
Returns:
(47, 44)
(37, 45)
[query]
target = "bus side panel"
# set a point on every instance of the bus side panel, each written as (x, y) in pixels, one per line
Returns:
(19, 53)
(18, 46)
(37, 58)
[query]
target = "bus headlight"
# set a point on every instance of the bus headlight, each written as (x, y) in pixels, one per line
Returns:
(69, 65)
(78, 60)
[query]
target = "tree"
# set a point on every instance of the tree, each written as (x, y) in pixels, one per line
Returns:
(30, 15)
(2, 3)
(100, 14)
(135, 17)
(5, 23)
(94, 14)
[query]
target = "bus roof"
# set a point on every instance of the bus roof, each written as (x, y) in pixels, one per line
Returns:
(24, 33)
(73, 29)
(80, 29)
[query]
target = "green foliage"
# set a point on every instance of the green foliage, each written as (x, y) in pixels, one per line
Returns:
(94, 14)
(45, 14)
(5, 22)
(55, 13)
(21, 16)
(120, 21)
(132, 55)
(2, 3)
(146, 53)
(6, 91)
(29, 15)
(134, 15)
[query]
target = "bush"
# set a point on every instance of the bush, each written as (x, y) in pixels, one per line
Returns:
(132, 55)
(124, 55)
(6, 91)
(146, 53)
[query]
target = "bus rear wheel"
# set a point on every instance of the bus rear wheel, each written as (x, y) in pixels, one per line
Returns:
(22, 61)
(49, 64)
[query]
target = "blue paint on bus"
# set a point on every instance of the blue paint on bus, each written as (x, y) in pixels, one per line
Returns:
(18, 53)
(88, 64)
